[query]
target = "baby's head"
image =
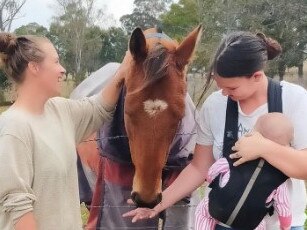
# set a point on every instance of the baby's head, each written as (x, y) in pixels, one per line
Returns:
(276, 127)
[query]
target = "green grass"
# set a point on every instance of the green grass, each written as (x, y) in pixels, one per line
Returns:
(84, 214)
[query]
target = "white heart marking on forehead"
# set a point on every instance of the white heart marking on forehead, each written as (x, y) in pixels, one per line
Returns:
(153, 107)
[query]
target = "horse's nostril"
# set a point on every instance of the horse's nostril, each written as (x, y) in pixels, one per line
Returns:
(134, 196)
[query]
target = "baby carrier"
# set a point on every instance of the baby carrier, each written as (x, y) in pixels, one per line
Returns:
(241, 203)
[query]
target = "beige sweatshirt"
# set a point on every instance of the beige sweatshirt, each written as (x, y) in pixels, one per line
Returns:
(38, 161)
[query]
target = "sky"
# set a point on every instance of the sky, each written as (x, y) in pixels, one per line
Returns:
(41, 11)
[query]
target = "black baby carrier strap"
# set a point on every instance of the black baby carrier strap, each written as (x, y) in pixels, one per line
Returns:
(241, 203)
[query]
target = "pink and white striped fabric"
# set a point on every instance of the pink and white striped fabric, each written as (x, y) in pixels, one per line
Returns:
(203, 220)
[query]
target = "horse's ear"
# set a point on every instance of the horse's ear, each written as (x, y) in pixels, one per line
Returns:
(185, 50)
(137, 45)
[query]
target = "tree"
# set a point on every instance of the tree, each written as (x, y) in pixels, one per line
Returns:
(69, 31)
(91, 49)
(4, 82)
(181, 18)
(114, 45)
(33, 29)
(145, 14)
(285, 21)
(9, 10)
(280, 19)
(187, 14)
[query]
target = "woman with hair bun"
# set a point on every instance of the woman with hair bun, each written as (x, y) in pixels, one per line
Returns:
(39, 134)
(238, 70)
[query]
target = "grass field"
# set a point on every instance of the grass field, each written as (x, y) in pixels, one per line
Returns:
(84, 214)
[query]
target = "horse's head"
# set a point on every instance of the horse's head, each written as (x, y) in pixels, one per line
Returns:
(154, 105)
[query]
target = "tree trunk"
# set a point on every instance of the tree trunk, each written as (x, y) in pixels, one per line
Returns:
(300, 70)
(281, 70)
(9, 9)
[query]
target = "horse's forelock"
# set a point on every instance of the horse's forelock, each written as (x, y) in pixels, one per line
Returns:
(156, 65)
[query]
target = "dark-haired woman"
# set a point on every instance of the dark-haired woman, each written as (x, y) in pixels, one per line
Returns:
(38, 137)
(238, 70)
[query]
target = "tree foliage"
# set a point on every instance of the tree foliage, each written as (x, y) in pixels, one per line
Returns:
(280, 19)
(70, 31)
(4, 82)
(181, 18)
(84, 46)
(285, 21)
(91, 49)
(33, 29)
(186, 15)
(114, 45)
(145, 14)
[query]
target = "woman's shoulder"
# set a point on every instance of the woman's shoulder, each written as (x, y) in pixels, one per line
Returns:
(293, 92)
(56, 102)
(294, 99)
(292, 88)
(62, 104)
(215, 99)
(14, 122)
(58, 106)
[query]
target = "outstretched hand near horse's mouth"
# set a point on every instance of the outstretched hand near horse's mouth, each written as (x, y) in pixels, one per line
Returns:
(140, 214)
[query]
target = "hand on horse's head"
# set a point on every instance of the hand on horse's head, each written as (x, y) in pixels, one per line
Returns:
(123, 68)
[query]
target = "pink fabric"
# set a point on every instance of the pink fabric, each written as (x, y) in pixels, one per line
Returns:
(203, 220)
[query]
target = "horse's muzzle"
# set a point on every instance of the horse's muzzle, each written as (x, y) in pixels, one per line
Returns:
(141, 203)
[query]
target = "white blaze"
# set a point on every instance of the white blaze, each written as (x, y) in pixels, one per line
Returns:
(153, 107)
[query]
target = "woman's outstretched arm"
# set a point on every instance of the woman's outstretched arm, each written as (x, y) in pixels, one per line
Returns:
(187, 181)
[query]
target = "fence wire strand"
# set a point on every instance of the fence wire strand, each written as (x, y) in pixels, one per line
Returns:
(124, 136)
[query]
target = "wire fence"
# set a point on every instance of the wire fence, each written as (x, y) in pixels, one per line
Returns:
(160, 224)
(125, 136)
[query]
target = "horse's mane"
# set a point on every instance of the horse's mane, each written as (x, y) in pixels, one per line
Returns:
(155, 65)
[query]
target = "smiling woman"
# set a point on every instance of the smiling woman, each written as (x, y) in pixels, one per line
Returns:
(36, 159)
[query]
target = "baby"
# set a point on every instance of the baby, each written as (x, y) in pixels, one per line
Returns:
(276, 127)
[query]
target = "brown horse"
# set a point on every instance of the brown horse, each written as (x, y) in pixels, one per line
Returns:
(153, 111)
(156, 88)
